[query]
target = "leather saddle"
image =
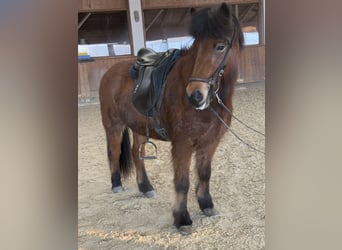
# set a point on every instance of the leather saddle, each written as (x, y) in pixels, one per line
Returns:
(149, 73)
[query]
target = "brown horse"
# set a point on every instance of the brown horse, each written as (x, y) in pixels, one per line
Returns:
(207, 69)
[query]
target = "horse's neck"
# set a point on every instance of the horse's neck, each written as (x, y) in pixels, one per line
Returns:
(187, 62)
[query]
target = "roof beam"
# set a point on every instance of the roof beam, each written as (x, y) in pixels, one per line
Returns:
(154, 19)
(245, 13)
(83, 20)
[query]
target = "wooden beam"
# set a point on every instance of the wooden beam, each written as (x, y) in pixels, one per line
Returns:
(262, 22)
(183, 17)
(83, 20)
(102, 5)
(245, 13)
(162, 23)
(162, 4)
(136, 21)
(251, 17)
(237, 11)
(113, 5)
(154, 19)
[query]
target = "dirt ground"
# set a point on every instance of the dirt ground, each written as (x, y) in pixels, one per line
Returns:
(128, 220)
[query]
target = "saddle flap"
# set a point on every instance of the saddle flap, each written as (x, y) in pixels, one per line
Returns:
(143, 93)
(150, 79)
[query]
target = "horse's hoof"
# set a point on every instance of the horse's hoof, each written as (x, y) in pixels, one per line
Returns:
(150, 194)
(210, 211)
(117, 189)
(185, 230)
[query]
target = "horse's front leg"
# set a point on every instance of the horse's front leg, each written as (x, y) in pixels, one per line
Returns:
(181, 156)
(142, 180)
(203, 166)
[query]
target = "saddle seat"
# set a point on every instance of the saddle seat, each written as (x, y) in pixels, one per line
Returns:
(147, 57)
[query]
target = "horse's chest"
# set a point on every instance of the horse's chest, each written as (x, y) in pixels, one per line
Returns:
(204, 129)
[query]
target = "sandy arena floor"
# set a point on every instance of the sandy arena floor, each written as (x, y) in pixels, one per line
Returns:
(128, 220)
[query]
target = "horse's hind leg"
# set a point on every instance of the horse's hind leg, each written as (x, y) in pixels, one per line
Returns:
(114, 136)
(118, 150)
(143, 182)
(118, 141)
(118, 147)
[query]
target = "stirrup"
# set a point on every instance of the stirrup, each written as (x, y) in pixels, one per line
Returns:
(148, 157)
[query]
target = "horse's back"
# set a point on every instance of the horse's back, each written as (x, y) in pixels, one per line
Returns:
(116, 77)
(114, 84)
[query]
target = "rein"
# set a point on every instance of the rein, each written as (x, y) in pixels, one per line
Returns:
(231, 113)
(230, 129)
(238, 137)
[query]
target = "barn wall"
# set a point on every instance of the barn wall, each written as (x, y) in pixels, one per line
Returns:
(252, 66)
(90, 74)
(252, 69)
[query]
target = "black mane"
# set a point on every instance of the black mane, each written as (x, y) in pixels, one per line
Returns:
(214, 23)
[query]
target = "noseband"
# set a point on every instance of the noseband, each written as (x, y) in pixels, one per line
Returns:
(216, 76)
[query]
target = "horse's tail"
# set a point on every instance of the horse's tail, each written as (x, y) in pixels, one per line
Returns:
(126, 164)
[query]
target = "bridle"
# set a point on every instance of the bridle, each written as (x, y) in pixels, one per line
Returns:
(215, 78)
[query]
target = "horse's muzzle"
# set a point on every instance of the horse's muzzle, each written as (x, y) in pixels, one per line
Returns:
(197, 92)
(197, 100)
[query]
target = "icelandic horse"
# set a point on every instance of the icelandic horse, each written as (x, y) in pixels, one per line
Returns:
(206, 69)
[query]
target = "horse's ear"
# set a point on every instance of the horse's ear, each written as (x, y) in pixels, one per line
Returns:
(192, 11)
(225, 9)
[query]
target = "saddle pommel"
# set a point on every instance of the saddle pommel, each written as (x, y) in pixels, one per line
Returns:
(147, 57)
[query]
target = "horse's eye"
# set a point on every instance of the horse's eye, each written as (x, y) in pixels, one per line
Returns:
(220, 47)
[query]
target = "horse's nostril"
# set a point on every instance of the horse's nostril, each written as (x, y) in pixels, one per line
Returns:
(196, 98)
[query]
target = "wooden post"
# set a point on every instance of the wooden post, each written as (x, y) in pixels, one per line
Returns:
(136, 20)
(262, 22)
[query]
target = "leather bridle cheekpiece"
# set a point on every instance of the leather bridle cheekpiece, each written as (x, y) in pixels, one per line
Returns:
(216, 76)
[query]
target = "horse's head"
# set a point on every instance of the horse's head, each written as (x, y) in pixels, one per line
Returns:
(215, 31)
